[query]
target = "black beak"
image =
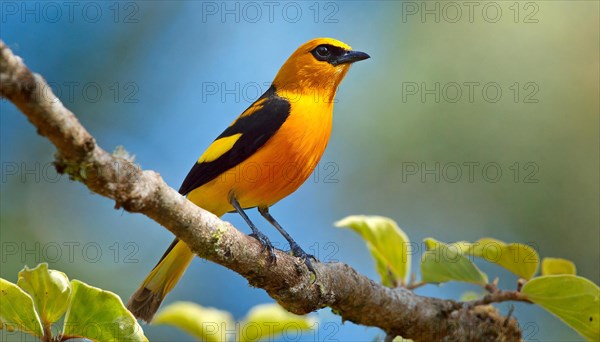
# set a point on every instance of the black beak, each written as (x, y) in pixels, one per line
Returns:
(350, 57)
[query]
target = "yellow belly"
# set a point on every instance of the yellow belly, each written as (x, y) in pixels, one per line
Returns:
(278, 168)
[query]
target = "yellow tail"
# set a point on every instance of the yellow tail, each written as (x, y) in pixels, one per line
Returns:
(147, 298)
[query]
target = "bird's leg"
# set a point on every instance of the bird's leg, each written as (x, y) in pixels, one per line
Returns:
(262, 238)
(296, 250)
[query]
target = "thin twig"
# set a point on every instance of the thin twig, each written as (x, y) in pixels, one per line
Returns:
(498, 296)
(415, 285)
(509, 314)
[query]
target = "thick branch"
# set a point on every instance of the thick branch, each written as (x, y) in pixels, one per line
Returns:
(354, 297)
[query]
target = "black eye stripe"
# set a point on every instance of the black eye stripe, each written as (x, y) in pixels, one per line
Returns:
(322, 51)
(327, 52)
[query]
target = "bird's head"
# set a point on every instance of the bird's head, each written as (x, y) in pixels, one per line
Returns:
(316, 68)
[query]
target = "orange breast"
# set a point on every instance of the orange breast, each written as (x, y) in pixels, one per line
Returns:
(279, 167)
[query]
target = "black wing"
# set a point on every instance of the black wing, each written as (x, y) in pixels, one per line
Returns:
(256, 129)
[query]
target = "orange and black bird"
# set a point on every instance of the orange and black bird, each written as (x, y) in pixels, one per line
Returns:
(282, 135)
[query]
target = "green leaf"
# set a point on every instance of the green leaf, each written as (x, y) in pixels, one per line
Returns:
(387, 278)
(50, 290)
(99, 316)
(470, 295)
(401, 339)
(551, 266)
(207, 324)
(518, 258)
(17, 310)
(388, 244)
(270, 320)
(573, 299)
(442, 263)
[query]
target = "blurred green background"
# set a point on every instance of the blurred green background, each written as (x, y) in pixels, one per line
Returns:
(471, 119)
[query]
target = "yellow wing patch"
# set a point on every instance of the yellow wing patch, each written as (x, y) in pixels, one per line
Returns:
(218, 148)
(258, 105)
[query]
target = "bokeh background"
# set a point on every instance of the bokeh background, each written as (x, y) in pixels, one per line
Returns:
(451, 87)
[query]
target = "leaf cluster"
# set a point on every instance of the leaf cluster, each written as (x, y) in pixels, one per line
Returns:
(42, 296)
(573, 299)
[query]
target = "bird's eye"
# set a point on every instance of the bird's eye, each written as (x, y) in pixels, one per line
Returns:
(323, 51)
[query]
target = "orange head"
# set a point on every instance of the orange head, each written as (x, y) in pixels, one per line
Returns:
(316, 67)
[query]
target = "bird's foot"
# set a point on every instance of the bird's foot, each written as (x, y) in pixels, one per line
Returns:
(300, 253)
(266, 244)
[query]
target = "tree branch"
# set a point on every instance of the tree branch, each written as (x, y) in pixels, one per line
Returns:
(399, 312)
(496, 295)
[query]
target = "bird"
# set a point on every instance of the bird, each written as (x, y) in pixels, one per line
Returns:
(262, 157)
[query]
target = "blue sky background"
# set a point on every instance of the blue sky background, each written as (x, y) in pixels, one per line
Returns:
(142, 75)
